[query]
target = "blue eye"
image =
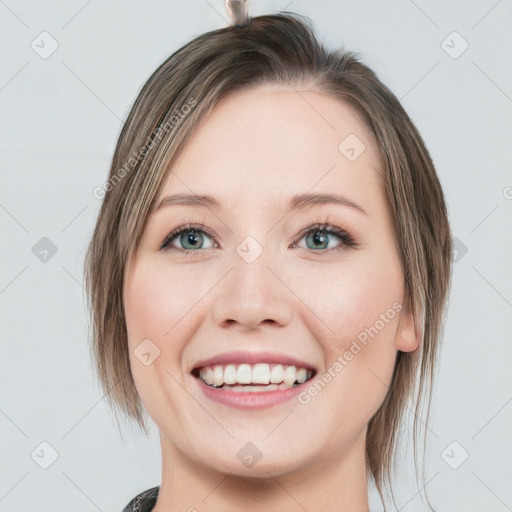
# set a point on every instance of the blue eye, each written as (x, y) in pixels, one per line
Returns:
(191, 238)
(322, 234)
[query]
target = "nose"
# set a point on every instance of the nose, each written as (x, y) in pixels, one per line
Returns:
(252, 294)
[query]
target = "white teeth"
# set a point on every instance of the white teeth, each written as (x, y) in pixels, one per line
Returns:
(218, 375)
(260, 374)
(231, 376)
(257, 389)
(243, 374)
(276, 374)
(302, 375)
(207, 374)
(290, 375)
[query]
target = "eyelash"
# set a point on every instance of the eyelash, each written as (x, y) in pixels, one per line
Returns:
(325, 228)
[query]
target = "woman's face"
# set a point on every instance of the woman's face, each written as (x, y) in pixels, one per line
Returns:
(262, 284)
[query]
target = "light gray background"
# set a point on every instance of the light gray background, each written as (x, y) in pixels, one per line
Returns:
(60, 117)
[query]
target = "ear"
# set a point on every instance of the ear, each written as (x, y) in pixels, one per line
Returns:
(407, 337)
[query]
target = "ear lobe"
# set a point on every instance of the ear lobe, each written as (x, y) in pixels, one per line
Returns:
(407, 338)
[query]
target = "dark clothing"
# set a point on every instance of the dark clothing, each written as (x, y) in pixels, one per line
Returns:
(143, 502)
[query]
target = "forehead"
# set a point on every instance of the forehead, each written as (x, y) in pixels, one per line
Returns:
(266, 144)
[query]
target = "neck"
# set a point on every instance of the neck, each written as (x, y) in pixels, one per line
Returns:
(338, 485)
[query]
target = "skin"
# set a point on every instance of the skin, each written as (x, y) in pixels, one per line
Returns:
(257, 148)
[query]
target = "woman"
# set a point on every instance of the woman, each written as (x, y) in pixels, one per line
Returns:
(269, 273)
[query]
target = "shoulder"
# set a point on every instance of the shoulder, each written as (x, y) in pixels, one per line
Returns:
(143, 502)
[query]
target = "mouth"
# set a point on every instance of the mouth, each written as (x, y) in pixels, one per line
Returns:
(252, 381)
(253, 378)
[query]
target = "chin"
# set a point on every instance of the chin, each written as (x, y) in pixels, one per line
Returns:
(253, 458)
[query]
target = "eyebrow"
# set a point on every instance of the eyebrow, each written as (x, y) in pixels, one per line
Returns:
(296, 202)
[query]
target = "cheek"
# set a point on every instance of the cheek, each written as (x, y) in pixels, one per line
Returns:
(351, 298)
(153, 308)
(361, 304)
(162, 304)
(157, 301)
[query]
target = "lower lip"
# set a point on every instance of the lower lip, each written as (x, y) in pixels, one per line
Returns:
(249, 400)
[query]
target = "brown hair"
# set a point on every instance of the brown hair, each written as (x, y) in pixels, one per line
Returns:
(277, 49)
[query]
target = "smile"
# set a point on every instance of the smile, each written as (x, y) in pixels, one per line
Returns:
(254, 378)
(252, 386)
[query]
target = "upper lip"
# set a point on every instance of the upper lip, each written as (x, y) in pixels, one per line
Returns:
(241, 356)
